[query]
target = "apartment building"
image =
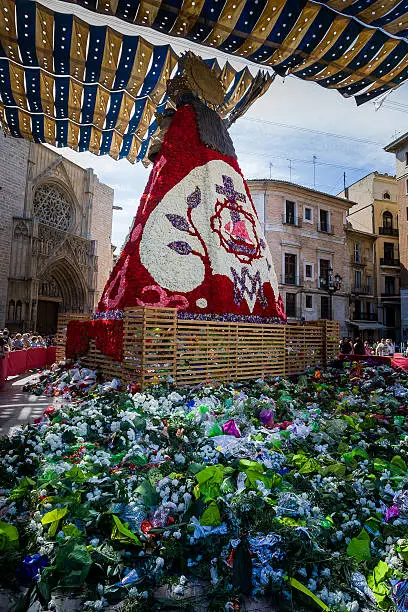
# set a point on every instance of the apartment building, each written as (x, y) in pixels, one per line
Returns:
(363, 317)
(375, 212)
(305, 230)
(399, 147)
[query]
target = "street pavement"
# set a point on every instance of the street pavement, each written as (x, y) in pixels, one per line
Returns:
(18, 407)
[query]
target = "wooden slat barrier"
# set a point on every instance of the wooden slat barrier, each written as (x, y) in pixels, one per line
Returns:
(157, 347)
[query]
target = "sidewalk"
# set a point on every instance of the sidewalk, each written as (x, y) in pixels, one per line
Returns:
(18, 407)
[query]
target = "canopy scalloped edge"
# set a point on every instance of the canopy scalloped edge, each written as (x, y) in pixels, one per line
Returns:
(68, 83)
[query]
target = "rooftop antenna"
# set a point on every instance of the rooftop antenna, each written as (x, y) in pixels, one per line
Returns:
(290, 170)
(314, 170)
(270, 169)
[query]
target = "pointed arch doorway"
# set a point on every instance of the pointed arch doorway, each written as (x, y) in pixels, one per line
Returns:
(61, 289)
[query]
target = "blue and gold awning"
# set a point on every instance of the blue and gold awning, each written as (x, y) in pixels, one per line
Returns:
(68, 83)
(359, 47)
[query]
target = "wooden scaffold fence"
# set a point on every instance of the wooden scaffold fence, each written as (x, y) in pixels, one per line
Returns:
(158, 346)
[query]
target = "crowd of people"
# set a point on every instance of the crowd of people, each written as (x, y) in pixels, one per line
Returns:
(382, 348)
(21, 341)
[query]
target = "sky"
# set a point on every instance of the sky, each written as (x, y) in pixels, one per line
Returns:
(295, 120)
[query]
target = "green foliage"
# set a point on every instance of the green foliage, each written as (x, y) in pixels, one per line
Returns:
(359, 547)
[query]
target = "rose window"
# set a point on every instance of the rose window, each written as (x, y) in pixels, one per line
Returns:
(52, 207)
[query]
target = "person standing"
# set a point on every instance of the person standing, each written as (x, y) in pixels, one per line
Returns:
(346, 346)
(359, 347)
(391, 347)
(382, 349)
(367, 348)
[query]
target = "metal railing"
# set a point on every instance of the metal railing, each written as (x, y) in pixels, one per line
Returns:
(289, 279)
(388, 261)
(365, 316)
(292, 220)
(359, 261)
(388, 231)
(363, 289)
(325, 228)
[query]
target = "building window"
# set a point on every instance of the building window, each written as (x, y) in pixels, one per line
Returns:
(324, 221)
(309, 271)
(358, 277)
(406, 186)
(309, 302)
(369, 283)
(308, 214)
(291, 305)
(18, 310)
(11, 310)
(388, 253)
(406, 158)
(386, 196)
(290, 275)
(387, 220)
(52, 207)
(324, 265)
(389, 285)
(324, 307)
(357, 253)
(290, 213)
(407, 213)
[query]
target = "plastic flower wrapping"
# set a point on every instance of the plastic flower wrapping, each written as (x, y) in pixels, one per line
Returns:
(290, 492)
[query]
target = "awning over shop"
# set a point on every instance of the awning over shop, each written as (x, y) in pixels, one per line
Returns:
(366, 324)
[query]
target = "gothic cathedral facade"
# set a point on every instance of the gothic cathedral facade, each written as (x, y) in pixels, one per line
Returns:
(55, 236)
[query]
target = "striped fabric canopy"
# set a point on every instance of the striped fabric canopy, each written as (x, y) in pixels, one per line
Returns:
(359, 47)
(68, 83)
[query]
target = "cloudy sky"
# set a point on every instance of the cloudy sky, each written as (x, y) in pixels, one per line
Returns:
(294, 121)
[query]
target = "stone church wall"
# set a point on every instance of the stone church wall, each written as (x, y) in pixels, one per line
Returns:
(14, 155)
(55, 235)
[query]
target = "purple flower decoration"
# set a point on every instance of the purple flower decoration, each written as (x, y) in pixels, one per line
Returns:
(30, 569)
(267, 418)
(179, 222)
(194, 199)
(391, 512)
(182, 248)
(230, 429)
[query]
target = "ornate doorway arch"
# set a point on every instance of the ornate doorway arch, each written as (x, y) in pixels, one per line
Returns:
(62, 288)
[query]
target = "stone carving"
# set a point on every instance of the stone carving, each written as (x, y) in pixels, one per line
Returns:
(50, 288)
(21, 230)
(52, 207)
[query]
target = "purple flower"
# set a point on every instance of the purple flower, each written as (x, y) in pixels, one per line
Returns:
(230, 429)
(266, 417)
(391, 512)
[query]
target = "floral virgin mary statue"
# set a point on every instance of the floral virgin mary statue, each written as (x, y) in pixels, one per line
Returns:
(196, 243)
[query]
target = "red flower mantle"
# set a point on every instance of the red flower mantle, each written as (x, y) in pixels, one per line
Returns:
(108, 336)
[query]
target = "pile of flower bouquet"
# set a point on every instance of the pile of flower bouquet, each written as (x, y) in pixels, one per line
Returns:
(292, 492)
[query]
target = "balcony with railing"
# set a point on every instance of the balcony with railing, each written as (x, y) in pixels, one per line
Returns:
(325, 228)
(358, 260)
(290, 279)
(361, 290)
(365, 316)
(390, 293)
(390, 262)
(388, 231)
(288, 219)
